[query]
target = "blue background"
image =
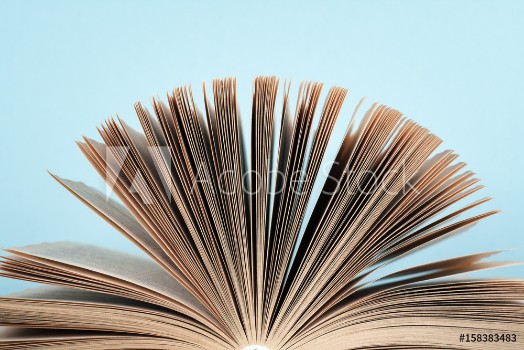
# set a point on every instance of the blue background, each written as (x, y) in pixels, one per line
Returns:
(455, 67)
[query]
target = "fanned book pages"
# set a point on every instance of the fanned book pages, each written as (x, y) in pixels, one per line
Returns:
(260, 238)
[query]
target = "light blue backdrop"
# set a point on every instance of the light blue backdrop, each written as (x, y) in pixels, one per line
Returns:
(455, 67)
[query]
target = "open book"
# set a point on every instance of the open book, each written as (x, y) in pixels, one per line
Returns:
(261, 239)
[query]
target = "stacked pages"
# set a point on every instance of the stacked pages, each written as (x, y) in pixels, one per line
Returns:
(264, 240)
